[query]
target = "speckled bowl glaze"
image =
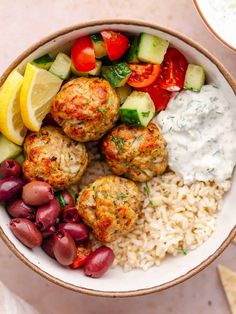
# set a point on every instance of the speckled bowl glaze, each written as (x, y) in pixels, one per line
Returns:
(174, 269)
(217, 22)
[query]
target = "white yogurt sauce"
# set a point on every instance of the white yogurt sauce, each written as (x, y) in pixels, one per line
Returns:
(200, 135)
(225, 10)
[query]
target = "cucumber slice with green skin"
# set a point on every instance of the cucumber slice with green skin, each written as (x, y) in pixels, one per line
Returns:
(61, 66)
(123, 92)
(20, 158)
(8, 149)
(194, 78)
(131, 54)
(138, 109)
(94, 72)
(117, 74)
(152, 49)
(99, 46)
(43, 62)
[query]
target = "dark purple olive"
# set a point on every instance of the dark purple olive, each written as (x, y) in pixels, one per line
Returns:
(10, 168)
(78, 231)
(99, 262)
(64, 248)
(26, 231)
(68, 199)
(70, 215)
(37, 193)
(47, 215)
(47, 246)
(10, 188)
(49, 232)
(19, 209)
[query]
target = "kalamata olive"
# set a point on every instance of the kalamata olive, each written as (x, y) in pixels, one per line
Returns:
(64, 248)
(47, 215)
(19, 209)
(99, 262)
(26, 231)
(47, 246)
(10, 188)
(49, 232)
(10, 168)
(68, 199)
(70, 215)
(78, 231)
(37, 193)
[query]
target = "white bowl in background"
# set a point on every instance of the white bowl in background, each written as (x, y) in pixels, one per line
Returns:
(173, 270)
(220, 18)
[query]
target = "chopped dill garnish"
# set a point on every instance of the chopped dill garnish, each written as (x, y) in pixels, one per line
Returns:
(147, 188)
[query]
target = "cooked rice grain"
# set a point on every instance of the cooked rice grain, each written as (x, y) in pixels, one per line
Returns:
(175, 218)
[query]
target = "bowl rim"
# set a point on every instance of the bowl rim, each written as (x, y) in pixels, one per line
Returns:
(211, 29)
(231, 82)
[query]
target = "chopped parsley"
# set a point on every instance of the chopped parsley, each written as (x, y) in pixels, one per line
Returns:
(103, 111)
(105, 194)
(147, 188)
(122, 195)
(119, 142)
(183, 250)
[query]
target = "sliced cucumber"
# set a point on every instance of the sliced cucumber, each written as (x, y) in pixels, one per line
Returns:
(194, 77)
(123, 92)
(151, 48)
(99, 46)
(8, 150)
(138, 109)
(117, 74)
(20, 158)
(95, 72)
(61, 66)
(131, 54)
(43, 62)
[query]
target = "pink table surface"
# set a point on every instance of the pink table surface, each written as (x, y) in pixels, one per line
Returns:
(23, 22)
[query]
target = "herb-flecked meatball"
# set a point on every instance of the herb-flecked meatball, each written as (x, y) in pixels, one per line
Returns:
(53, 157)
(110, 206)
(86, 108)
(136, 153)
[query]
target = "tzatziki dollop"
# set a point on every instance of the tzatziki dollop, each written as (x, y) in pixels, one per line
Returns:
(200, 135)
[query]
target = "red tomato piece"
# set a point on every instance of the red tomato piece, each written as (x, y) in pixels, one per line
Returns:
(83, 252)
(116, 44)
(159, 96)
(173, 70)
(143, 74)
(83, 55)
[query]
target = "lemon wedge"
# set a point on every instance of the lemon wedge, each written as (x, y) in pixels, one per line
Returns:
(38, 89)
(11, 123)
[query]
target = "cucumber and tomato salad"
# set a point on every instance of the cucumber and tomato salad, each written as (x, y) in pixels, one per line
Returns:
(143, 63)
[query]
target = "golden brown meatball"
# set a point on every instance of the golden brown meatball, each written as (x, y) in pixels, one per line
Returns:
(136, 153)
(54, 158)
(86, 108)
(110, 206)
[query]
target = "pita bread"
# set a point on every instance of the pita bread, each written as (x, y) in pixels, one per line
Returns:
(228, 280)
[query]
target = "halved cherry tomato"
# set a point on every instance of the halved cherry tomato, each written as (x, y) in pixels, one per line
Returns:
(143, 74)
(173, 70)
(116, 44)
(83, 252)
(83, 55)
(159, 96)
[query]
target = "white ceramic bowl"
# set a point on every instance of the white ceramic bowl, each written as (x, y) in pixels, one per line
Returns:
(220, 18)
(174, 269)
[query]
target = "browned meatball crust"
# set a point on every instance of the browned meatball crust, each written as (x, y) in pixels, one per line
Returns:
(110, 206)
(136, 153)
(53, 157)
(86, 108)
